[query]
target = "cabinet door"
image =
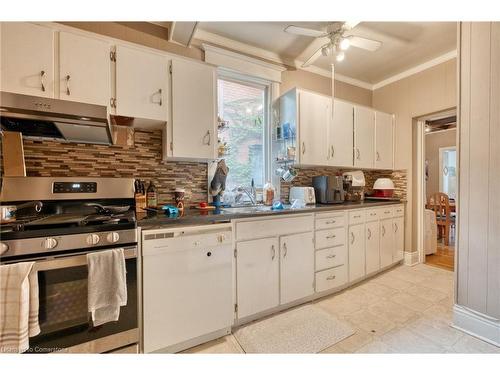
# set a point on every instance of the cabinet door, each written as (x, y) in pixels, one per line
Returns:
(364, 134)
(297, 266)
(314, 119)
(84, 69)
(386, 242)
(356, 251)
(194, 103)
(372, 247)
(257, 276)
(27, 59)
(384, 142)
(141, 84)
(340, 135)
(399, 238)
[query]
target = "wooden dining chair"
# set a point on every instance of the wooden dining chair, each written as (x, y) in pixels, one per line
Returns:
(440, 204)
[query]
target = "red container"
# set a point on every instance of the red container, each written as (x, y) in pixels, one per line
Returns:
(383, 193)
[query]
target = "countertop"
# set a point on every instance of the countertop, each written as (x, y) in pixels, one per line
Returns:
(198, 217)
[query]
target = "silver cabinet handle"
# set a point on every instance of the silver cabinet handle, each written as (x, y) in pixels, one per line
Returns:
(207, 136)
(303, 148)
(369, 233)
(395, 227)
(285, 250)
(42, 79)
(273, 251)
(68, 92)
(383, 230)
(352, 238)
(331, 222)
(331, 236)
(159, 92)
(331, 277)
(378, 156)
(358, 154)
(331, 256)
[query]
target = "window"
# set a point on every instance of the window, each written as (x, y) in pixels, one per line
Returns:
(243, 131)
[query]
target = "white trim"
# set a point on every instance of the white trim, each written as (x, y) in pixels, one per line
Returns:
(440, 131)
(411, 258)
(417, 69)
(476, 324)
(421, 193)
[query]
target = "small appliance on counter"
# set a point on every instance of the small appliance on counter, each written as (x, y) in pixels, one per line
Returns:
(354, 185)
(383, 188)
(329, 189)
(306, 193)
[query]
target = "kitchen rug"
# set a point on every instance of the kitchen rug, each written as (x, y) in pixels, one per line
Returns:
(306, 329)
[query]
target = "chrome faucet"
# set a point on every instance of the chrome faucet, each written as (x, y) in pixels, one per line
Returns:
(240, 190)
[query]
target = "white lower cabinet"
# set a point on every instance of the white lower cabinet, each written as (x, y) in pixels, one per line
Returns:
(386, 243)
(357, 260)
(297, 267)
(399, 238)
(257, 275)
(331, 278)
(372, 249)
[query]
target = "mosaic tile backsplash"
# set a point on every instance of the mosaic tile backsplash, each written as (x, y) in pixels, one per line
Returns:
(143, 160)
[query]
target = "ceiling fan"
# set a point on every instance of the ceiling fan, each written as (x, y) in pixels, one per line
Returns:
(336, 39)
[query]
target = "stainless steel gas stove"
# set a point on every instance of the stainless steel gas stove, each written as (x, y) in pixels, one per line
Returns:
(55, 222)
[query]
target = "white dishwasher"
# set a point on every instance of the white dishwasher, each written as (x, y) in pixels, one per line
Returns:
(187, 286)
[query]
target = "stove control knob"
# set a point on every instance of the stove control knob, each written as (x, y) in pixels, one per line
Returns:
(113, 237)
(3, 248)
(50, 243)
(93, 239)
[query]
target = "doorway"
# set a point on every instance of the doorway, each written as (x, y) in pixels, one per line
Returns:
(437, 189)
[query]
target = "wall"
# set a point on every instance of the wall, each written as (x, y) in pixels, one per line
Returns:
(323, 85)
(479, 181)
(143, 160)
(426, 92)
(434, 141)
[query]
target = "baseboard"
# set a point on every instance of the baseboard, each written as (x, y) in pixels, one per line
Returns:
(476, 324)
(194, 342)
(411, 258)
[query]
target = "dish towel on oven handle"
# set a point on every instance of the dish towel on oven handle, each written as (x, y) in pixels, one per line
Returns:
(18, 306)
(107, 285)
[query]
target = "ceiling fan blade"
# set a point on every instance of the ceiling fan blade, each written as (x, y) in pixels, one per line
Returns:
(304, 31)
(314, 56)
(364, 43)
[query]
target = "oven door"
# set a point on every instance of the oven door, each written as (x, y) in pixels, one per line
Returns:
(65, 322)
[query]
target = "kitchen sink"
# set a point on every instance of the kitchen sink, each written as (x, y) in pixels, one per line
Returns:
(249, 209)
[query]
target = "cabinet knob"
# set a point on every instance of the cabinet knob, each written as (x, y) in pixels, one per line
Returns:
(209, 254)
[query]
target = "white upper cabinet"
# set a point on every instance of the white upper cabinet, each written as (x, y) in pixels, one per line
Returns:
(84, 69)
(314, 120)
(193, 124)
(141, 84)
(27, 59)
(340, 135)
(384, 143)
(364, 134)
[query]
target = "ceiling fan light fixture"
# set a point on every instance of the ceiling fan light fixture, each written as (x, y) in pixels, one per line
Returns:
(327, 50)
(344, 44)
(340, 56)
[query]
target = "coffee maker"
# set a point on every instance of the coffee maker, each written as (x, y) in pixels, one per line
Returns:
(328, 189)
(354, 185)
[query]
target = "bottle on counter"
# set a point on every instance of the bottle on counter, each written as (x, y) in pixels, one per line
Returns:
(151, 196)
(268, 193)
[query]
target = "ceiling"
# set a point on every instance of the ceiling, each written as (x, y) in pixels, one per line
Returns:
(405, 44)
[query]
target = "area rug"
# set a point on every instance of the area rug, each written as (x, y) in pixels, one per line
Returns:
(306, 329)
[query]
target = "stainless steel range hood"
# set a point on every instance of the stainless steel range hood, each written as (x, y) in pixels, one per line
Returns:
(46, 118)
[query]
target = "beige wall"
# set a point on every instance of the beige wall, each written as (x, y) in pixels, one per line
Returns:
(323, 85)
(429, 91)
(433, 142)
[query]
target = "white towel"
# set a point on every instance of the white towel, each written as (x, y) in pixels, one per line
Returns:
(18, 306)
(107, 285)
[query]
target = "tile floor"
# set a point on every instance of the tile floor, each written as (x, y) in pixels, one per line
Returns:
(404, 310)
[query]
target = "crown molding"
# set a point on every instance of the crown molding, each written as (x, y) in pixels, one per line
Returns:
(416, 69)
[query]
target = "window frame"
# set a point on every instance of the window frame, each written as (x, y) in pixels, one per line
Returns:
(267, 86)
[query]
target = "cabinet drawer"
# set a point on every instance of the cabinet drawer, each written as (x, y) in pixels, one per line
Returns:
(247, 230)
(332, 257)
(331, 278)
(323, 215)
(330, 237)
(330, 222)
(372, 214)
(399, 210)
(356, 217)
(385, 212)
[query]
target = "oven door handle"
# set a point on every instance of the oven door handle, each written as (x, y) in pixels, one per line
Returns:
(75, 260)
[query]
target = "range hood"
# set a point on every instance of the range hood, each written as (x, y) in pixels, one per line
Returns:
(46, 118)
